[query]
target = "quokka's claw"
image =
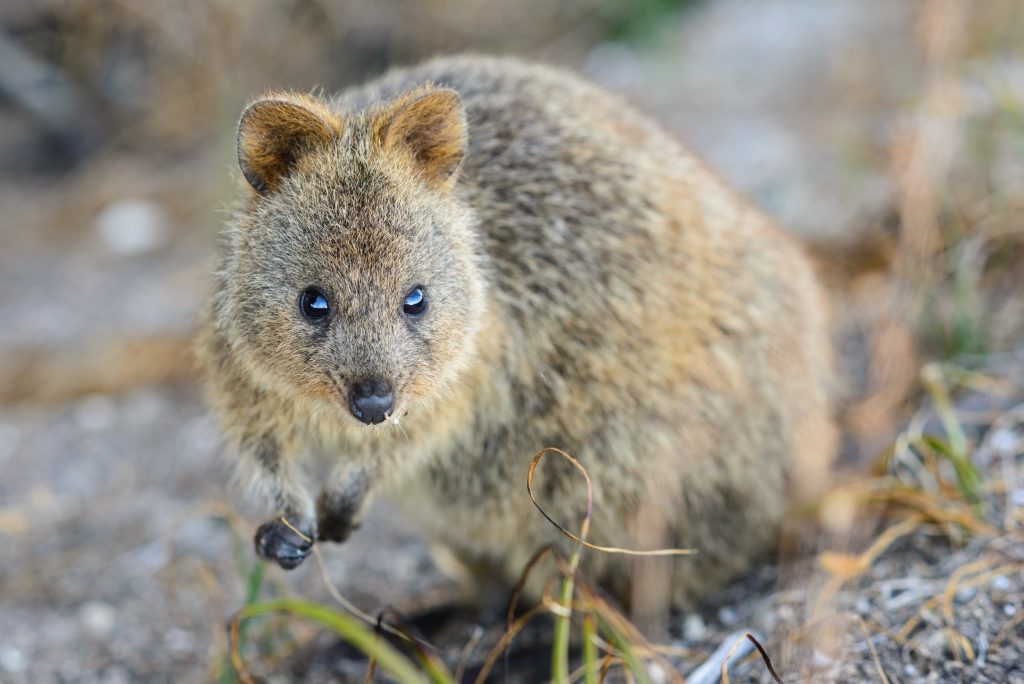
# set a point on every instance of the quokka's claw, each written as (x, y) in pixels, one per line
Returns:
(285, 544)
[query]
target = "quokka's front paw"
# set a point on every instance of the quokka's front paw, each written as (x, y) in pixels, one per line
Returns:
(335, 518)
(287, 544)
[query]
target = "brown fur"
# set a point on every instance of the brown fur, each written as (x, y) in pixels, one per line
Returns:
(591, 286)
(275, 131)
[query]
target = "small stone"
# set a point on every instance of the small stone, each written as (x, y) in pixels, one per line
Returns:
(656, 674)
(1009, 610)
(935, 644)
(694, 628)
(982, 651)
(786, 613)
(98, 618)
(116, 675)
(179, 641)
(12, 659)
(965, 595)
(727, 616)
(1001, 583)
(132, 226)
(863, 606)
(1017, 497)
(149, 557)
(910, 670)
(1003, 441)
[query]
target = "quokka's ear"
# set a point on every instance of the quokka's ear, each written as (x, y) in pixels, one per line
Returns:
(430, 125)
(276, 131)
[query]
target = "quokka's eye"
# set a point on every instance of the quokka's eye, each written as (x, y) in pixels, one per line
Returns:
(313, 304)
(415, 304)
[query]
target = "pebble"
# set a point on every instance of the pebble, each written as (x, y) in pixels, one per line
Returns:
(727, 616)
(656, 674)
(965, 595)
(116, 675)
(935, 644)
(982, 649)
(786, 613)
(98, 618)
(1003, 441)
(1017, 497)
(148, 557)
(694, 628)
(179, 641)
(12, 660)
(1001, 583)
(132, 226)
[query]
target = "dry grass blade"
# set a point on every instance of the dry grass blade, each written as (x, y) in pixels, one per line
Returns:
(377, 623)
(956, 640)
(233, 650)
(976, 581)
(506, 638)
(765, 658)
(760, 649)
(354, 609)
(426, 654)
(337, 596)
(631, 665)
(628, 638)
(371, 668)
(467, 651)
(606, 666)
(1012, 623)
(563, 611)
(589, 650)
(871, 647)
(517, 591)
(843, 567)
(570, 535)
(938, 509)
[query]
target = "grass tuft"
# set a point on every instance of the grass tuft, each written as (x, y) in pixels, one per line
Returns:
(609, 639)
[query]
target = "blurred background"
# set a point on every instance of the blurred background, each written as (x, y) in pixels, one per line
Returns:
(887, 134)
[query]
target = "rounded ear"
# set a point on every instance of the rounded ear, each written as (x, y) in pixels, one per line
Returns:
(430, 125)
(274, 132)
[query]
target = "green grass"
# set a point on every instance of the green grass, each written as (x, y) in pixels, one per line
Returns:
(607, 635)
(636, 21)
(253, 581)
(349, 628)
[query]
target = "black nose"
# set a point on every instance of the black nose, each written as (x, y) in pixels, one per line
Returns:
(371, 401)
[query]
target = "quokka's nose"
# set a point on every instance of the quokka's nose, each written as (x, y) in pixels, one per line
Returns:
(371, 401)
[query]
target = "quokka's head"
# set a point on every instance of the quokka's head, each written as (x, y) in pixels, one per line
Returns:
(352, 273)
